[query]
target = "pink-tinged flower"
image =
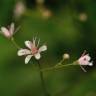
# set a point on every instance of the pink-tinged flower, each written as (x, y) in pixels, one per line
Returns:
(33, 50)
(19, 9)
(8, 32)
(85, 60)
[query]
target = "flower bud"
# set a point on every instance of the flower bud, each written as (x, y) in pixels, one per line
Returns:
(66, 56)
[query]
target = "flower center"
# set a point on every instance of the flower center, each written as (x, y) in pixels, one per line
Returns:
(85, 59)
(34, 50)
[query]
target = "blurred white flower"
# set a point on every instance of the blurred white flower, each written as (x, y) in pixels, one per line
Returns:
(32, 50)
(8, 32)
(83, 17)
(19, 9)
(46, 13)
(85, 60)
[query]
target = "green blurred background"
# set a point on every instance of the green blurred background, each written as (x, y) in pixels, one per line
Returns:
(66, 26)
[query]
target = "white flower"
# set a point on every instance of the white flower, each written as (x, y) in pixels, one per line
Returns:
(85, 60)
(8, 32)
(32, 50)
(19, 9)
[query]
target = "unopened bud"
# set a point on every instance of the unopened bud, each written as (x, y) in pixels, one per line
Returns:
(66, 56)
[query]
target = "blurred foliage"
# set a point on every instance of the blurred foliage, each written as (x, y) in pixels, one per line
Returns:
(65, 26)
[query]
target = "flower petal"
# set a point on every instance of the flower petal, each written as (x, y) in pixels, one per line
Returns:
(22, 52)
(12, 28)
(37, 56)
(42, 48)
(27, 59)
(5, 32)
(88, 57)
(28, 44)
(90, 64)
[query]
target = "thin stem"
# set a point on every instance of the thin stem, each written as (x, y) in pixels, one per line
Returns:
(83, 68)
(61, 62)
(58, 67)
(14, 43)
(42, 80)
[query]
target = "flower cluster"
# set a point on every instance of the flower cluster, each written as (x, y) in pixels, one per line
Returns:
(33, 49)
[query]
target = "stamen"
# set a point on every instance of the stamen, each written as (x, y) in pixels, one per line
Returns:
(34, 40)
(38, 42)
